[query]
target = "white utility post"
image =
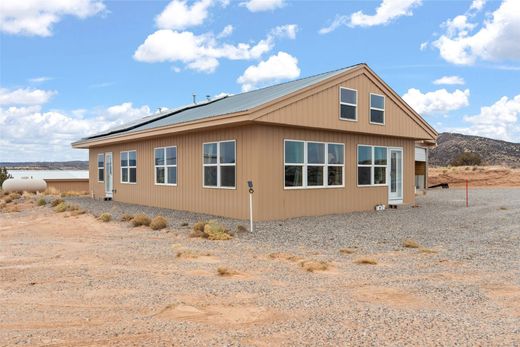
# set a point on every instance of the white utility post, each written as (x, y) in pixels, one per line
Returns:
(251, 191)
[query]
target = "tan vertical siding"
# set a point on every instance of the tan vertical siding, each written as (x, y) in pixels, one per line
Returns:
(69, 185)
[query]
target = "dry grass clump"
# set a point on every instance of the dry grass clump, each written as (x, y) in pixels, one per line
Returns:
(366, 260)
(210, 230)
(15, 196)
(61, 207)
(224, 271)
(2, 204)
(41, 202)
(105, 217)
(285, 256)
(56, 202)
(428, 250)
(51, 191)
(158, 223)
(77, 212)
(409, 243)
(503, 208)
(189, 254)
(141, 219)
(241, 229)
(126, 217)
(27, 195)
(7, 199)
(314, 265)
(72, 193)
(347, 250)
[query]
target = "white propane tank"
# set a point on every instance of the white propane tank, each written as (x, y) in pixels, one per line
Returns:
(24, 185)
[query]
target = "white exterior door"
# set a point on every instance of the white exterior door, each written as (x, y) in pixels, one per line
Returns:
(395, 176)
(109, 174)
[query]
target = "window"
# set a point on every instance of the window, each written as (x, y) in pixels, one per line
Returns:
(101, 167)
(166, 165)
(129, 167)
(219, 164)
(348, 103)
(313, 164)
(377, 109)
(372, 162)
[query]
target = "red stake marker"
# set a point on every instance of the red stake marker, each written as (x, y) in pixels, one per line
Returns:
(467, 203)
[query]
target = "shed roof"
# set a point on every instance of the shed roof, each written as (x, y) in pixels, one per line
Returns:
(226, 105)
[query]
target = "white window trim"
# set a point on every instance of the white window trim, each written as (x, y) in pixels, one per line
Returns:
(377, 109)
(305, 164)
(218, 165)
(98, 167)
(165, 167)
(127, 167)
(371, 166)
(346, 103)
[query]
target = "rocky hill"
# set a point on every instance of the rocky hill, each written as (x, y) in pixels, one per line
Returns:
(492, 152)
(46, 165)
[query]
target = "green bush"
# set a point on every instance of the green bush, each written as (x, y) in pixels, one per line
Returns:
(467, 159)
(42, 202)
(105, 217)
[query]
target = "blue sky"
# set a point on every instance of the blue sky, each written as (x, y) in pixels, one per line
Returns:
(69, 68)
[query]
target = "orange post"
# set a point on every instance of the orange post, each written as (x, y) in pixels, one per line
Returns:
(467, 203)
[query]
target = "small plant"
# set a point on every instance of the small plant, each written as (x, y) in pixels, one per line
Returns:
(141, 219)
(77, 212)
(56, 202)
(61, 207)
(314, 265)
(224, 271)
(15, 196)
(105, 217)
(41, 202)
(503, 208)
(51, 191)
(158, 223)
(428, 250)
(126, 217)
(366, 260)
(215, 231)
(409, 243)
(285, 256)
(347, 250)
(241, 229)
(184, 224)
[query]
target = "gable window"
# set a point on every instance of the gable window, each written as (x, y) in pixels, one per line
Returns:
(377, 109)
(219, 164)
(313, 164)
(372, 163)
(129, 167)
(101, 167)
(165, 160)
(348, 103)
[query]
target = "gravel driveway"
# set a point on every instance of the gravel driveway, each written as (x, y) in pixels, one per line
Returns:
(68, 280)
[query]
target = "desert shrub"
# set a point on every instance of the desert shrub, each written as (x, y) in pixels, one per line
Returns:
(411, 244)
(366, 261)
(105, 217)
(347, 250)
(51, 191)
(215, 231)
(224, 271)
(241, 229)
(141, 219)
(15, 196)
(61, 207)
(126, 217)
(56, 202)
(158, 222)
(467, 159)
(427, 250)
(314, 265)
(78, 212)
(41, 202)
(4, 175)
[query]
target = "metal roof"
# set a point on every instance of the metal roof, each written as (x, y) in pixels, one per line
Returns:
(226, 105)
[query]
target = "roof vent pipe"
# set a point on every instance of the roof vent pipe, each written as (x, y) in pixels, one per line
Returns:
(194, 98)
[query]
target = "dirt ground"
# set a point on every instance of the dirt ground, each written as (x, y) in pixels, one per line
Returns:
(478, 176)
(75, 281)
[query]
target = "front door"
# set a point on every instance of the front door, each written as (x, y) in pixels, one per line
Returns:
(109, 182)
(395, 173)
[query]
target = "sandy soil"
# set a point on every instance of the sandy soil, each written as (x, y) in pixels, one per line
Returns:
(478, 176)
(75, 281)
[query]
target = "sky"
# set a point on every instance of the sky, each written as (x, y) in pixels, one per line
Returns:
(71, 68)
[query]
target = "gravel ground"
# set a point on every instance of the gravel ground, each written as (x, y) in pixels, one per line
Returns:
(77, 281)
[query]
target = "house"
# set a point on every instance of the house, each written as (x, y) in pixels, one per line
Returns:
(335, 142)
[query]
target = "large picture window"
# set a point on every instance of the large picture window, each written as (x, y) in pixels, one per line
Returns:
(165, 161)
(219, 161)
(129, 167)
(101, 167)
(313, 164)
(348, 103)
(377, 109)
(372, 163)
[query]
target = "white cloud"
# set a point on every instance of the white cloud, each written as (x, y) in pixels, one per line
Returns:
(449, 80)
(179, 15)
(278, 67)
(496, 40)
(387, 11)
(227, 31)
(477, 5)
(202, 52)
(423, 46)
(50, 132)
(25, 96)
(262, 5)
(40, 79)
(437, 102)
(36, 18)
(500, 120)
